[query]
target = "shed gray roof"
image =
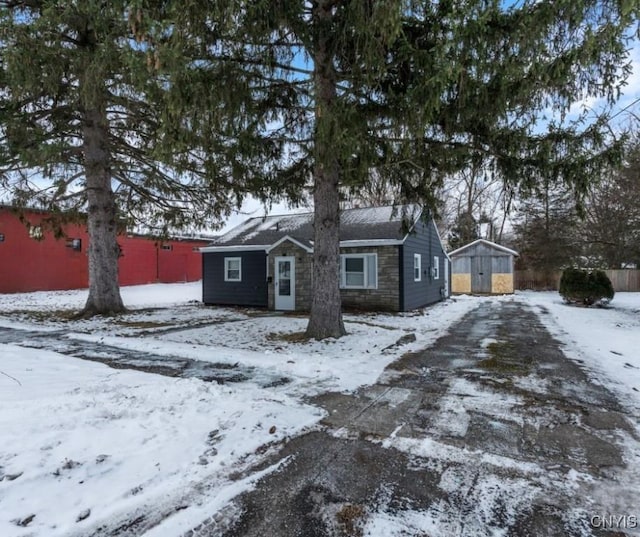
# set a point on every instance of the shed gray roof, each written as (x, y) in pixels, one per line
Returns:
(483, 242)
(368, 224)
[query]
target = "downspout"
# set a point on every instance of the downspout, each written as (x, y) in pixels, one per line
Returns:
(430, 234)
(401, 285)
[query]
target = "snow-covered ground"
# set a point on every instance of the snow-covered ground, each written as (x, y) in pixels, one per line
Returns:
(607, 340)
(80, 439)
(84, 444)
(135, 296)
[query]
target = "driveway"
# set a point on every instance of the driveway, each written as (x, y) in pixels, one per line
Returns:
(491, 431)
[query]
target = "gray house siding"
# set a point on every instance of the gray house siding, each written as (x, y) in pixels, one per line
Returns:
(423, 240)
(250, 291)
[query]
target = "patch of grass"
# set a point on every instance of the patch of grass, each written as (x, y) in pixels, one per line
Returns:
(251, 312)
(142, 324)
(501, 349)
(292, 337)
(495, 363)
(374, 325)
(350, 517)
(504, 358)
(55, 315)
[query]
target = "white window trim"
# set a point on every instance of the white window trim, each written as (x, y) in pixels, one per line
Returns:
(436, 267)
(228, 260)
(417, 264)
(343, 272)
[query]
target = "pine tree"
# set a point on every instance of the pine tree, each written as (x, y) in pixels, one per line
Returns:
(328, 57)
(106, 108)
(417, 90)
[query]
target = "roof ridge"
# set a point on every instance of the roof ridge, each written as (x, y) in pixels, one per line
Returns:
(280, 215)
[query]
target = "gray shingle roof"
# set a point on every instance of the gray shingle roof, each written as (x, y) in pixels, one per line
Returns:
(372, 223)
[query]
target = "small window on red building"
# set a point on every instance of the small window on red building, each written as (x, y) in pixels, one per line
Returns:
(1, 237)
(166, 247)
(75, 244)
(35, 232)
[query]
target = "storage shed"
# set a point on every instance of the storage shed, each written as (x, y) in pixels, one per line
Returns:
(482, 267)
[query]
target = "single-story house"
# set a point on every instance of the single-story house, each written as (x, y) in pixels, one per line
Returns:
(391, 258)
(482, 267)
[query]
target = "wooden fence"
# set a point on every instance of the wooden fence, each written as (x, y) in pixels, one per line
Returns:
(622, 280)
(537, 281)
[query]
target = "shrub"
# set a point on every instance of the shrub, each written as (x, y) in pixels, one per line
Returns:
(585, 287)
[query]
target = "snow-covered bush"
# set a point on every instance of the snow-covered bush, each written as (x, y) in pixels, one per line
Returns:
(585, 287)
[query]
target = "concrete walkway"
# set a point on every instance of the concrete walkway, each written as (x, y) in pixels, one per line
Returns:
(491, 431)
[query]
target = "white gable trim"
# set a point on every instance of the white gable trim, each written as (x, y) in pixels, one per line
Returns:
(431, 221)
(413, 224)
(488, 243)
(440, 239)
(306, 248)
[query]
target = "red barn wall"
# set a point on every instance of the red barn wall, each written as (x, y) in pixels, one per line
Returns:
(27, 264)
(138, 262)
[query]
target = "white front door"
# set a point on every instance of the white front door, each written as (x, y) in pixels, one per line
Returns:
(285, 283)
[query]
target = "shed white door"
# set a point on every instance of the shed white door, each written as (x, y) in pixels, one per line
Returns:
(285, 283)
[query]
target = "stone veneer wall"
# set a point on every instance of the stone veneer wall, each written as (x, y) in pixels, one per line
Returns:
(387, 295)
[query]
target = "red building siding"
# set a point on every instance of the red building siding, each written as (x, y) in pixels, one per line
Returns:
(27, 264)
(138, 262)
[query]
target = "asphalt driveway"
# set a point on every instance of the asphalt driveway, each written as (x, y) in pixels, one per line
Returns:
(491, 431)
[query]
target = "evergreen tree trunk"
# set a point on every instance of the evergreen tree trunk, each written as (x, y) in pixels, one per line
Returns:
(104, 290)
(326, 308)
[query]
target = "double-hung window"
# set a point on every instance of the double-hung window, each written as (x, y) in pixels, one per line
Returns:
(232, 269)
(436, 267)
(417, 267)
(359, 271)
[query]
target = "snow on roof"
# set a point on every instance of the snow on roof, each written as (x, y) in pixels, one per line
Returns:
(374, 215)
(236, 231)
(280, 224)
(368, 223)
